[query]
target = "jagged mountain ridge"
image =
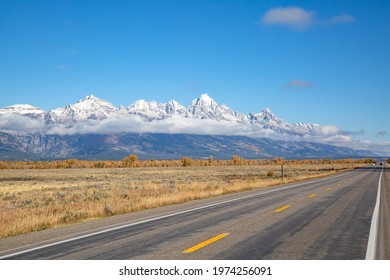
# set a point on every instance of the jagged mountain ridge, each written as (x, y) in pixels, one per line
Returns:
(161, 146)
(93, 109)
(94, 128)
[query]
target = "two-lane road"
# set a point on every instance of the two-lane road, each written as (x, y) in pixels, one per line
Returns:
(328, 218)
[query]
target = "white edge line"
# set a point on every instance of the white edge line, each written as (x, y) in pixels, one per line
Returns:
(165, 216)
(372, 238)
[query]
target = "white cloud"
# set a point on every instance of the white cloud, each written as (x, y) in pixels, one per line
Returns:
(174, 124)
(178, 124)
(333, 135)
(292, 17)
(380, 148)
(132, 123)
(15, 123)
(327, 130)
(298, 18)
(327, 134)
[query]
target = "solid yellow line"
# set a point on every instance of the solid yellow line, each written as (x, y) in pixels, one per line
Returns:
(328, 189)
(205, 243)
(281, 209)
(312, 195)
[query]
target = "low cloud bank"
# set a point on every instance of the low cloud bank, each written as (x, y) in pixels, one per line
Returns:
(327, 134)
(15, 123)
(172, 125)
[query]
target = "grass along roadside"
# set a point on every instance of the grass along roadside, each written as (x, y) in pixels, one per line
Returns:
(33, 200)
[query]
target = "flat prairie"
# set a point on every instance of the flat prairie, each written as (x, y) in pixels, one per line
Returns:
(32, 200)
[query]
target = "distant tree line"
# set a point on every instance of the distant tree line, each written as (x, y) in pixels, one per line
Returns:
(132, 161)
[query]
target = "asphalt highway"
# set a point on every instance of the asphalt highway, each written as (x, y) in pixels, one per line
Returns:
(327, 218)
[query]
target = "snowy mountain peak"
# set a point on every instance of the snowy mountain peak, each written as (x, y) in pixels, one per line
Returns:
(206, 98)
(156, 111)
(174, 107)
(93, 99)
(141, 104)
(173, 103)
(91, 110)
(268, 120)
(266, 114)
(20, 108)
(88, 97)
(93, 103)
(266, 110)
(24, 110)
(203, 107)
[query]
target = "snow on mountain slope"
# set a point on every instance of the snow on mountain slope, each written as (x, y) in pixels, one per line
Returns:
(22, 119)
(268, 120)
(205, 107)
(175, 108)
(93, 110)
(24, 110)
(157, 111)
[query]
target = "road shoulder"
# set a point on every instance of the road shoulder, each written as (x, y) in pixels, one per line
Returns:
(383, 243)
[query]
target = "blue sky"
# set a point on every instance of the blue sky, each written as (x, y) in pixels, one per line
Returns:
(325, 62)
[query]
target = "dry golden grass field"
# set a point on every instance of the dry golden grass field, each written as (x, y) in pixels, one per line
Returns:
(32, 200)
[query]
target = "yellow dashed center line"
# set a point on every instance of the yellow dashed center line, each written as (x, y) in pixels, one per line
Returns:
(328, 189)
(205, 243)
(282, 208)
(312, 195)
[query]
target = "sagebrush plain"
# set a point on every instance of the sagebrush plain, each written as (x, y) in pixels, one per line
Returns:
(37, 199)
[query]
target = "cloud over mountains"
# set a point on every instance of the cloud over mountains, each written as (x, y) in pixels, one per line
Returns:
(204, 116)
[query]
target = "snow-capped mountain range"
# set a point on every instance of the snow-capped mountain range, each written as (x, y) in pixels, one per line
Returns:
(94, 128)
(92, 110)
